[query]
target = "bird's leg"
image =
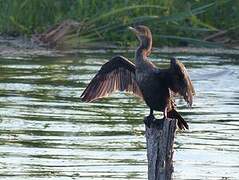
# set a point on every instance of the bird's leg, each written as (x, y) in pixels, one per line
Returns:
(159, 122)
(165, 113)
(151, 114)
(150, 118)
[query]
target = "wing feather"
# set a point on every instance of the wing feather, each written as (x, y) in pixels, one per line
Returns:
(180, 82)
(118, 74)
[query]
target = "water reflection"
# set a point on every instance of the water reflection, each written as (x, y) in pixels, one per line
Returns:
(46, 132)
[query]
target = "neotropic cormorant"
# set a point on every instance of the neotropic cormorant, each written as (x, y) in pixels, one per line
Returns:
(156, 86)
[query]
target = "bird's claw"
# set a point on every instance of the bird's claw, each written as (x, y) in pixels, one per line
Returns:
(159, 123)
(148, 120)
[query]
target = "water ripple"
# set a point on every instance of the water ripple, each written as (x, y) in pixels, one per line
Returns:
(47, 133)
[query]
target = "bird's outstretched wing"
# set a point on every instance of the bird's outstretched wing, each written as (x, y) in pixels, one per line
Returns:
(179, 81)
(117, 74)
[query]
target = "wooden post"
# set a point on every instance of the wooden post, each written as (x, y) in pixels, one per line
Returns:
(160, 138)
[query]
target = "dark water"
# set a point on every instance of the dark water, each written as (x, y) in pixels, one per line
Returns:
(47, 133)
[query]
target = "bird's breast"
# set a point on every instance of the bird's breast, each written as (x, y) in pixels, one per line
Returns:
(143, 73)
(155, 92)
(141, 77)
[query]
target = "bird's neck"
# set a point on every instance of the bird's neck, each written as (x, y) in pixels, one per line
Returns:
(141, 54)
(143, 50)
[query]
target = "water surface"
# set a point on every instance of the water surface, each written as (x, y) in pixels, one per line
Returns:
(46, 132)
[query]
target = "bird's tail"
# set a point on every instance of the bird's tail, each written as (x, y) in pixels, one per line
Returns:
(182, 124)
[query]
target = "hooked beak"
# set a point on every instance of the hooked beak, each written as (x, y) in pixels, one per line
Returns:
(133, 29)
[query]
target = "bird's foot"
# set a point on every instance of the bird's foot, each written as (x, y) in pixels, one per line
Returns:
(148, 120)
(159, 123)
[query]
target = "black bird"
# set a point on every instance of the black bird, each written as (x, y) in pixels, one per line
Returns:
(156, 86)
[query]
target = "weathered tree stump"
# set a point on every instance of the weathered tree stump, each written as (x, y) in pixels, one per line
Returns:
(160, 138)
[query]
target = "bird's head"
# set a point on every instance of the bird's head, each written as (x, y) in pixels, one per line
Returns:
(144, 35)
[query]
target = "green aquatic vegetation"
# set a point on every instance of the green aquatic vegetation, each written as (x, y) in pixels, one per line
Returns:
(184, 21)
